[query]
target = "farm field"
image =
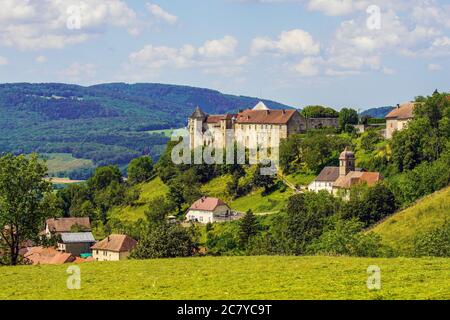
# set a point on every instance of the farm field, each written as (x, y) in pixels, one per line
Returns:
(64, 162)
(262, 277)
(399, 230)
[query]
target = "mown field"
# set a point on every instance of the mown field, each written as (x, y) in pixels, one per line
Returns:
(58, 163)
(233, 278)
(399, 230)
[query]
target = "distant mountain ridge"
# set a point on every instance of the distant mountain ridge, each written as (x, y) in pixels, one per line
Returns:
(380, 112)
(107, 123)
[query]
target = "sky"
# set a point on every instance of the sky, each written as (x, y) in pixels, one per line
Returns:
(339, 53)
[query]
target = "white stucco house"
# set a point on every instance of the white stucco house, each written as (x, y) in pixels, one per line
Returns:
(209, 210)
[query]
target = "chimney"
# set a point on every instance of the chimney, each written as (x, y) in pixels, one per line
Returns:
(398, 105)
(284, 111)
(109, 239)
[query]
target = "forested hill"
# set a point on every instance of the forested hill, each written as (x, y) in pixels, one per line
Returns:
(377, 112)
(107, 123)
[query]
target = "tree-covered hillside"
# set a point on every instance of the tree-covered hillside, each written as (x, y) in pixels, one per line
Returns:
(107, 123)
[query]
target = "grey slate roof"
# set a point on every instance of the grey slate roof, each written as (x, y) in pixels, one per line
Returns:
(198, 114)
(79, 237)
(328, 174)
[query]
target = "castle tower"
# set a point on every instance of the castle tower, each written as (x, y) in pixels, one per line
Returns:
(196, 121)
(346, 162)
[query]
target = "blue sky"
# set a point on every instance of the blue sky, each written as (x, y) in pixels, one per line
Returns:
(356, 53)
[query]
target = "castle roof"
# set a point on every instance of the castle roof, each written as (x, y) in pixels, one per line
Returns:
(265, 116)
(219, 117)
(403, 111)
(198, 114)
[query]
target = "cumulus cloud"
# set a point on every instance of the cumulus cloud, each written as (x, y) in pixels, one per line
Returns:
(219, 48)
(160, 14)
(294, 42)
(34, 24)
(213, 57)
(332, 7)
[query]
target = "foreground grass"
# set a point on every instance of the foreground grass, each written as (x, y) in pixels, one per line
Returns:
(399, 230)
(233, 278)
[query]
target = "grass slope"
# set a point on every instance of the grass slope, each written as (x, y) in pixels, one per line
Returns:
(148, 192)
(399, 230)
(233, 278)
(256, 200)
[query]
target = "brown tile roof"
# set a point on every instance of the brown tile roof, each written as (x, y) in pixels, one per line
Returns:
(116, 243)
(41, 255)
(219, 117)
(65, 224)
(404, 111)
(328, 174)
(356, 177)
(207, 204)
(265, 116)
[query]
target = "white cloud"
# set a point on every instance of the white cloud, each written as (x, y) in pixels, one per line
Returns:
(332, 7)
(434, 67)
(308, 67)
(295, 42)
(31, 24)
(219, 48)
(41, 59)
(161, 14)
(213, 57)
(3, 61)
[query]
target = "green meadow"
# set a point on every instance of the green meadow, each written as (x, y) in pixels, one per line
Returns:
(233, 278)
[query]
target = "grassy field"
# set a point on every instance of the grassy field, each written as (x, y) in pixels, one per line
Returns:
(166, 132)
(399, 230)
(64, 162)
(148, 192)
(255, 200)
(300, 179)
(229, 278)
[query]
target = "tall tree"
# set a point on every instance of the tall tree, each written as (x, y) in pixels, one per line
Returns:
(140, 170)
(248, 227)
(347, 117)
(23, 207)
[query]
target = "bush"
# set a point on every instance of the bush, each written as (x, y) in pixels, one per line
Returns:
(165, 240)
(347, 239)
(434, 244)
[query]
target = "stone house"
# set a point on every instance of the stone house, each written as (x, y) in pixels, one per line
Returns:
(398, 119)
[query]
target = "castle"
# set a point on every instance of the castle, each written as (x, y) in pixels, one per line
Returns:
(250, 127)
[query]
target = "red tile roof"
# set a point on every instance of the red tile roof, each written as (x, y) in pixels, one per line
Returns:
(215, 118)
(356, 177)
(404, 111)
(207, 204)
(116, 243)
(265, 116)
(65, 224)
(41, 255)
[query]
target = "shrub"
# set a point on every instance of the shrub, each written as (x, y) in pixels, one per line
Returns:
(435, 243)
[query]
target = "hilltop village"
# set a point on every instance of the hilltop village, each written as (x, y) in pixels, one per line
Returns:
(335, 170)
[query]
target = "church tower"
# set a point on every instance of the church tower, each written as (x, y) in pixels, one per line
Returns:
(346, 162)
(196, 121)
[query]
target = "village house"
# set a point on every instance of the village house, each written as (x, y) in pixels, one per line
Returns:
(209, 210)
(42, 256)
(57, 226)
(339, 179)
(113, 248)
(399, 118)
(77, 243)
(269, 125)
